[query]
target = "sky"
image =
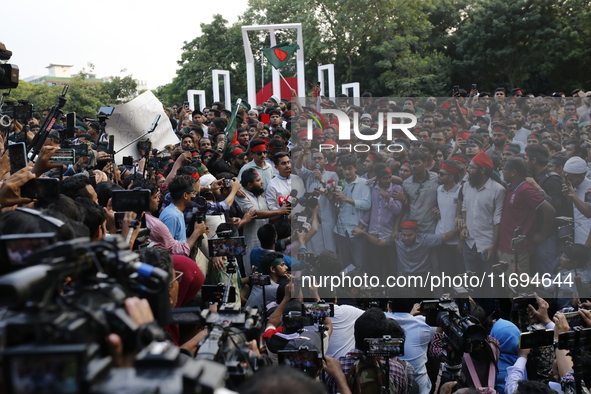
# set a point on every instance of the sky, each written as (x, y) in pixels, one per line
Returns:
(143, 37)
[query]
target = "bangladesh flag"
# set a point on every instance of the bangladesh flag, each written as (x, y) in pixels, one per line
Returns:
(280, 53)
(232, 126)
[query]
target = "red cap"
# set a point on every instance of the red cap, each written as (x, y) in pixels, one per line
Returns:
(303, 134)
(409, 224)
(464, 135)
(482, 160)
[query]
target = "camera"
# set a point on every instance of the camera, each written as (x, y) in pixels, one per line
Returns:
(318, 310)
(8, 72)
(230, 332)
(227, 183)
(463, 333)
(518, 239)
(565, 227)
(260, 280)
(295, 320)
(135, 200)
(20, 111)
(536, 339)
(384, 347)
(307, 361)
(45, 330)
(311, 261)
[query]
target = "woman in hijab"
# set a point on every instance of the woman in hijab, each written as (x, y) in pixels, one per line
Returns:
(190, 280)
(507, 334)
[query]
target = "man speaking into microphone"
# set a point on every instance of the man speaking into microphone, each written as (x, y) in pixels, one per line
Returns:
(279, 188)
(319, 179)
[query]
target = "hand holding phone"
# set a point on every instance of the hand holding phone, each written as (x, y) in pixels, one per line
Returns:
(18, 156)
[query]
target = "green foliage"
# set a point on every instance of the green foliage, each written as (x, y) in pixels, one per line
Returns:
(391, 47)
(535, 44)
(120, 88)
(219, 47)
(83, 97)
(394, 47)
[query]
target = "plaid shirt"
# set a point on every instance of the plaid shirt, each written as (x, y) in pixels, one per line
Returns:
(402, 372)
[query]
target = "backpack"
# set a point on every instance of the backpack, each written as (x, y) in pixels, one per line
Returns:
(368, 377)
(492, 374)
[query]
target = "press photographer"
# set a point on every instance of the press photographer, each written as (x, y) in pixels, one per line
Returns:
(468, 355)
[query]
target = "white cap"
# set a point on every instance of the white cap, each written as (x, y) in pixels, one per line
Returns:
(575, 165)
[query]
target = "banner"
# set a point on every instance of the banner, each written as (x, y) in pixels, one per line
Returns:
(131, 120)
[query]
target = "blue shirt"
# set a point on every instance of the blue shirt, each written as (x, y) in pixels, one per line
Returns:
(413, 258)
(175, 221)
(349, 215)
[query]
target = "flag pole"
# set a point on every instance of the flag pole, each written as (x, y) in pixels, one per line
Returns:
(284, 80)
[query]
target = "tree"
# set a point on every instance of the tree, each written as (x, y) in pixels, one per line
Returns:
(382, 44)
(120, 88)
(532, 44)
(218, 47)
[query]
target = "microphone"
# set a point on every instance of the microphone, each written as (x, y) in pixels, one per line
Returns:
(293, 198)
(334, 187)
(331, 184)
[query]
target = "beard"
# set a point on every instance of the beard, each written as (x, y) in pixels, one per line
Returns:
(475, 178)
(257, 191)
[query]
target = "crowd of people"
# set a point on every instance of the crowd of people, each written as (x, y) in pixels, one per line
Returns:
(490, 183)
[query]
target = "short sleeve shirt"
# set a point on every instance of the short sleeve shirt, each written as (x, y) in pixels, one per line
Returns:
(519, 209)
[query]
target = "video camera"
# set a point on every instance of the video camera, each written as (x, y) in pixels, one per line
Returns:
(20, 111)
(311, 261)
(463, 333)
(63, 336)
(565, 227)
(158, 162)
(311, 313)
(197, 215)
(307, 361)
(230, 330)
(8, 72)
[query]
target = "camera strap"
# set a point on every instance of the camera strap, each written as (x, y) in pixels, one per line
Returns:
(492, 374)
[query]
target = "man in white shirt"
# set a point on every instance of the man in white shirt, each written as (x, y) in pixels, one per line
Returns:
(254, 200)
(280, 187)
(575, 189)
(258, 151)
(482, 206)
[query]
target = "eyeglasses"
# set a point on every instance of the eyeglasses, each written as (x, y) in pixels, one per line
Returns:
(262, 153)
(177, 276)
